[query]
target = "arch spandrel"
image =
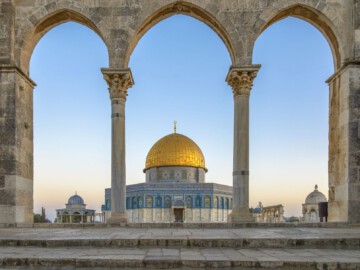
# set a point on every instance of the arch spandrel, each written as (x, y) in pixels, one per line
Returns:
(42, 22)
(200, 10)
(322, 17)
(121, 24)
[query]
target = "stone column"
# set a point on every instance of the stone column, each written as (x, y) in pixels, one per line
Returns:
(16, 146)
(119, 80)
(241, 81)
(344, 144)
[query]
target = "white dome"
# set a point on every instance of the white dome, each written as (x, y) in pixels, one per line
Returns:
(315, 197)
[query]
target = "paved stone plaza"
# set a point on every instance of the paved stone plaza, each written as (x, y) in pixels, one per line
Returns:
(183, 248)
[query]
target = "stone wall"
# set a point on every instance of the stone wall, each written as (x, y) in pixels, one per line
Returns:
(122, 23)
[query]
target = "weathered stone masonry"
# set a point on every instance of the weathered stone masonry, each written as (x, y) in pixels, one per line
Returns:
(121, 24)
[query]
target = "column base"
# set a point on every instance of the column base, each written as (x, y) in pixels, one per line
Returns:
(16, 203)
(241, 215)
(117, 219)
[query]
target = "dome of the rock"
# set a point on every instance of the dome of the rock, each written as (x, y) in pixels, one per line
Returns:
(175, 150)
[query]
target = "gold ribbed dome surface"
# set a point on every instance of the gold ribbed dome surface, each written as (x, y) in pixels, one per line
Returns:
(175, 150)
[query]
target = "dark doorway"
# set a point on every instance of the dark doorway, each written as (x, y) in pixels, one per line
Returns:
(179, 215)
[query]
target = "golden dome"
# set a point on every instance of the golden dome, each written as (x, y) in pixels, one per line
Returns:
(175, 150)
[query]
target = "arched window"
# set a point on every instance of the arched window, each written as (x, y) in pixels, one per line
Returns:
(227, 203)
(158, 202)
(149, 201)
(128, 203)
(140, 202)
(189, 202)
(198, 201)
(134, 203)
(167, 202)
(222, 203)
(207, 202)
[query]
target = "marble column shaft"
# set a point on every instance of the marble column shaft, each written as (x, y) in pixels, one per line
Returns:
(119, 80)
(241, 79)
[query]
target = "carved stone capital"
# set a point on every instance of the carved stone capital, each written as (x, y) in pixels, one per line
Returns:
(241, 79)
(119, 81)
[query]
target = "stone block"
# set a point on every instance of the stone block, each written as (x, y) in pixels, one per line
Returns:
(7, 197)
(7, 167)
(2, 181)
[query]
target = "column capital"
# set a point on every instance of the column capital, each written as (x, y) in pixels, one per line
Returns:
(118, 80)
(241, 79)
(15, 69)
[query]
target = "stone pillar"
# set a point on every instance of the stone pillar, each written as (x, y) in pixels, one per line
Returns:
(241, 81)
(119, 80)
(16, 146)
(344, 145)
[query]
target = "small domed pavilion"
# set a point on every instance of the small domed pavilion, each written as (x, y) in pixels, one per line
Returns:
(75, 212)
(311, 206)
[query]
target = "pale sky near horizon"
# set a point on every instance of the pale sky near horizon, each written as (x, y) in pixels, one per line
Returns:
(179, 67)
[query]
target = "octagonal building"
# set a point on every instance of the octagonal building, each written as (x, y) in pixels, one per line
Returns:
(175, 188)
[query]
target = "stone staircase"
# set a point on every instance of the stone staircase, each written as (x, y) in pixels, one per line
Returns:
(180, 247)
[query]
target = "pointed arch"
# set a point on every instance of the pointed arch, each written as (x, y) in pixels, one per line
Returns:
(44, 25)
(184, 8)
(315, 18)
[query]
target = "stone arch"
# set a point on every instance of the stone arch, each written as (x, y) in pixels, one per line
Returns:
(179, 203)
(322, 19)
(184, 8)
(313, 16)
(44, 25)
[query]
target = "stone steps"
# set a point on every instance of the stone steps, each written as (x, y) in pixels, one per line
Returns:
(326, 238)
(325, 243)
(220, 225)
(179, 248)
(176, 258)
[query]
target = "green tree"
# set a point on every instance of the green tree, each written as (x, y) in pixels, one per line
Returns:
(41, 218)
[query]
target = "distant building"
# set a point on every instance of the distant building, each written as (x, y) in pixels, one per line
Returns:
(269, 214)
(75, 212)
(310, 208)
(175, 188)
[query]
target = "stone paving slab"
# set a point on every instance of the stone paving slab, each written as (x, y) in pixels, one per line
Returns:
(337, 238)
(177, 258)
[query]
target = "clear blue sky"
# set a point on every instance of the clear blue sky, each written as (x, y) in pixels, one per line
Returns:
(179, 68)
